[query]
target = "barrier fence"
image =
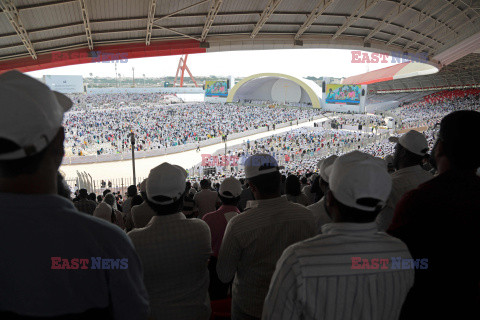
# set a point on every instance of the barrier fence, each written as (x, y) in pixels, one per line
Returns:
(118, 185)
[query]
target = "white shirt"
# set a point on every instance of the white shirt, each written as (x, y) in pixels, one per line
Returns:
(314, 279)
(403, 180)
(141, 215)
(205, 201)
(104, 211)
(311, 196)
(320, 214)
(174, 252)
(36, 228)
(253, 242)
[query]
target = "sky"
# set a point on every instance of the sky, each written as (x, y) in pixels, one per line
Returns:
(297, 62)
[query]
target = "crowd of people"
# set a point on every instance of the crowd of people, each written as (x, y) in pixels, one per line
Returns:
(105, 127)
(359, 238)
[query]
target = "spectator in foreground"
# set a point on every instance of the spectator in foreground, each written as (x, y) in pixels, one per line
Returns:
(318, 209)
(62, 187)
(42, 232)
(255, 239)
(84, 204)
(325, 277)
(107, 210)
(245, 196)
(142, 213)
(440, 221)
(293, 191)
(92, 196)
(206, 199)
(410, 150)
(127, 207)
(229, 194)
(174, 250)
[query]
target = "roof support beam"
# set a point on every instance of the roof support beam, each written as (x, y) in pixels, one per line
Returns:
(316, 12)
(212, 13)
(11, 13)
(177, 32)
(360, 11)
(269, 9)
(151, 16)
(422, 14)
(447, 35)
(391, 16)
(86, 23)
(181, 10)
(432, 30)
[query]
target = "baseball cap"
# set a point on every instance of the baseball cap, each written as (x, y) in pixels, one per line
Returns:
(232, 186)
(166, 180)
(357, 175)
(259, 164)
(32, 115)
(326, 167)
(413, 141)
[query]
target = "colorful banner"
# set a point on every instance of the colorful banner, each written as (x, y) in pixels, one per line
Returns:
(343, 94)
(216, 88)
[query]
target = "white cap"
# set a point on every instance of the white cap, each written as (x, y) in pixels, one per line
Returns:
(166, 180)
(357, 175)
(327, 166)
(231, 185)
(32, 114)
(259, 164)
(413, 141)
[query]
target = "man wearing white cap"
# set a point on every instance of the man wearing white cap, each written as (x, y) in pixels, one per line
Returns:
(410, 150)
(174, 250)
(318, 208)
(255, 239)
(326, 277)
(440, 221)
(229, 194)
(42, 232)
(142, 213)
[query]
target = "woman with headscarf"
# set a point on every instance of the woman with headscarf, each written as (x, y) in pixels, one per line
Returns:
(107, 210)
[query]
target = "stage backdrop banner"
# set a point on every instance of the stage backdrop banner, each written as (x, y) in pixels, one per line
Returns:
(216, 88)
(343, 94)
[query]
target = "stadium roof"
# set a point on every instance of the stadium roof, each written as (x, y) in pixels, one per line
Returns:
(398, 71)
(36, 34)
(463, 72)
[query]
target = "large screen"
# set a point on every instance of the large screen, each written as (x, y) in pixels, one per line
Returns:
(344, 94)
(65, 84)
(216, 88)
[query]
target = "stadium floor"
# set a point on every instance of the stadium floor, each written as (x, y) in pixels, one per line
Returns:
(186, 159)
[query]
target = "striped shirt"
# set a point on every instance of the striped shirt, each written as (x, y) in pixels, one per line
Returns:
(252, 245)
(315, 279)
(174, 252)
